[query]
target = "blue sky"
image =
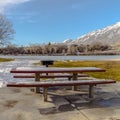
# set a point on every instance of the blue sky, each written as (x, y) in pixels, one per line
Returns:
(43, 21)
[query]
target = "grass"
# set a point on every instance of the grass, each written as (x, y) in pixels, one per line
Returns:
(112, 67)
(6, 59)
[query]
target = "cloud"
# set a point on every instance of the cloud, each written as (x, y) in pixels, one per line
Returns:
(7, 3)
(25, 18)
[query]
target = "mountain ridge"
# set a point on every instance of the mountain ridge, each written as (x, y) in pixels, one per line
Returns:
(109, 35)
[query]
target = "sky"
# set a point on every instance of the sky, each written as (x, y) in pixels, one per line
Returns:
(44, 21)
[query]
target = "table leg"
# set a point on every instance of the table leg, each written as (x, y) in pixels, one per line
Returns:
(45, 93)
(37, 78)
(91, 91)
(75, 77)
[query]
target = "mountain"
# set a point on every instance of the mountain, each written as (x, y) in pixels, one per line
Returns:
(67, 41)
(109, 35)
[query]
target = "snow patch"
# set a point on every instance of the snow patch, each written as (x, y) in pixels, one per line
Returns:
(2, 84)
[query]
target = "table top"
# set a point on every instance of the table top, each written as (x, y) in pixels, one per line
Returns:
(56, 70)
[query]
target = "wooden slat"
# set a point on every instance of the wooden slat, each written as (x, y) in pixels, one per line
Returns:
(57, 70)
(49, 76)
(59, 83)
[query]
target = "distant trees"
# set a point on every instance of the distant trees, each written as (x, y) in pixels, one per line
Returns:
(6, 30)
(98, 46)
(56, 49)
(72, 49)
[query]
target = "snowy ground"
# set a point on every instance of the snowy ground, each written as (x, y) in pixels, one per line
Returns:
(5, 68)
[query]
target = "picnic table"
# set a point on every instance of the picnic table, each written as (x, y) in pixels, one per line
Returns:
(74, 71)
(37, 71)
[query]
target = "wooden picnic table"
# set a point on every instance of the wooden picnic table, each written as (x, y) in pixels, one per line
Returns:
(37, 71)
(41, 72)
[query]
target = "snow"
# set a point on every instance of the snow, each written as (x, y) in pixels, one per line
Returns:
(5, 67)
(98, 34)
(67, 40)
(117, 24)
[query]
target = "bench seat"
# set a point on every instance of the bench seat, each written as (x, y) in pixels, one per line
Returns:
(69, 76)
(51, 83)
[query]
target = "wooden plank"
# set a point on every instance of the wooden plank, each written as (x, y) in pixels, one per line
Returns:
(50, 76)
(57, 70)
(59, 83)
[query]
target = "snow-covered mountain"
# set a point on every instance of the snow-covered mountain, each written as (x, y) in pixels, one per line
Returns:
(109, 35)
(67, 41)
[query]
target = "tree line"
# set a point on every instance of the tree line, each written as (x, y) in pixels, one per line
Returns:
(54, 49)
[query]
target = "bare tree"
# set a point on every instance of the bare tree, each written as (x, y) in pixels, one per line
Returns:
(72, 49)
(6, 30)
